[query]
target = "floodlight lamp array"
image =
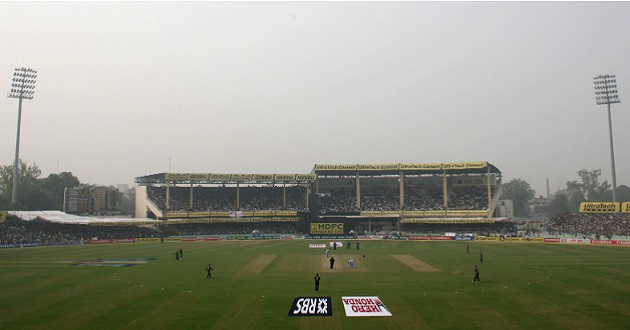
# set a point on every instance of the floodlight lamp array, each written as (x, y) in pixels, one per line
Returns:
(23, 85)
(606, 89)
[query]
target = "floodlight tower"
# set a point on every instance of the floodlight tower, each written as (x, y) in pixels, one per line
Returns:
(606, 93)
(23, 87)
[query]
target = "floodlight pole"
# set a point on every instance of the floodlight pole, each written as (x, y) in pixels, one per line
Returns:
(606, 93)
(23, 87)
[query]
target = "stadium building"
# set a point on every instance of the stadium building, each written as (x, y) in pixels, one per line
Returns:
(333, 199)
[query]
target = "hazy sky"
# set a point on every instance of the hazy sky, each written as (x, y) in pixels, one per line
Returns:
(255, 87)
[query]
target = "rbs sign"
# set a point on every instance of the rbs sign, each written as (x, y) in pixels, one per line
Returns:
(326, 228)
(311, 306)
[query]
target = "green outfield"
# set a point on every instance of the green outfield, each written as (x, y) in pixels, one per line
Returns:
(425, 285)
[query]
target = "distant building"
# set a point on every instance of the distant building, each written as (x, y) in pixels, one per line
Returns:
(505, 209)
(539, 206)
(91, 200)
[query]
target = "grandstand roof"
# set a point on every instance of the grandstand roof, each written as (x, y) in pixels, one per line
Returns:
(65, 218)
(323, 170)
(219, 178)
(409, 169)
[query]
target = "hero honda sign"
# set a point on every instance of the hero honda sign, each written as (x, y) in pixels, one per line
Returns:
(364, 306)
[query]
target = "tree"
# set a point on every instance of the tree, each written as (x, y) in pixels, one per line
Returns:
(520, 192)
(55, 185)
(559, 204)
(29, 190)
(34, 193)
(589, 189)
(623, 193)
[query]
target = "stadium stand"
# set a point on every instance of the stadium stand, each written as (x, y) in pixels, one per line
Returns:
(363, 198)
(589, 224)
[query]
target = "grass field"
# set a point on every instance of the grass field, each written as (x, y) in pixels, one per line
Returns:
(425, 285)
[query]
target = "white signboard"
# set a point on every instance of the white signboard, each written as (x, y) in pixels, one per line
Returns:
(364, 306)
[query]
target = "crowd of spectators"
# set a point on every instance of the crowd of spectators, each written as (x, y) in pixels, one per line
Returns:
(223, 199)
(253, 198)
(380, 200)
(466, 198)
(505, 228)
(229, 228)
(589, 224)
(337, 201)
(15, 231)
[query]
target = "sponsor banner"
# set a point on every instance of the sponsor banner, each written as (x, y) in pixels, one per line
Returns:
(430, 238)
(413, 213)
(389, 167)
(603, 242)
(625, 207)
(456, 213)
(220, 214)
(242, 177)
(264, 213)
(189, 239)
(317, 246)
(377, 167)
(463, 238)
(176, 214)
(575, 241)
(311, 306)
(21, 245)
(364, 306)
(368, 167)
(286, 213)
(263, 177)
(328, 237)
(371, 213)
(198, 214)
(172, 239)
(551, 240)
(391, 213)
(425, 167)
(175, 176)
(148, 239)
(284, 177)
(237, 238)
(212, 238)
(626, 243)
(124, 240)
(463, 166)
(100, 241)
(435, 213)
(265, 237)
(326, 228)
(335, 167)
(599, 207)
(198, 176)
(485, 238)
(339, 244)
(220, 177)
(478, 213)
(305, 177)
